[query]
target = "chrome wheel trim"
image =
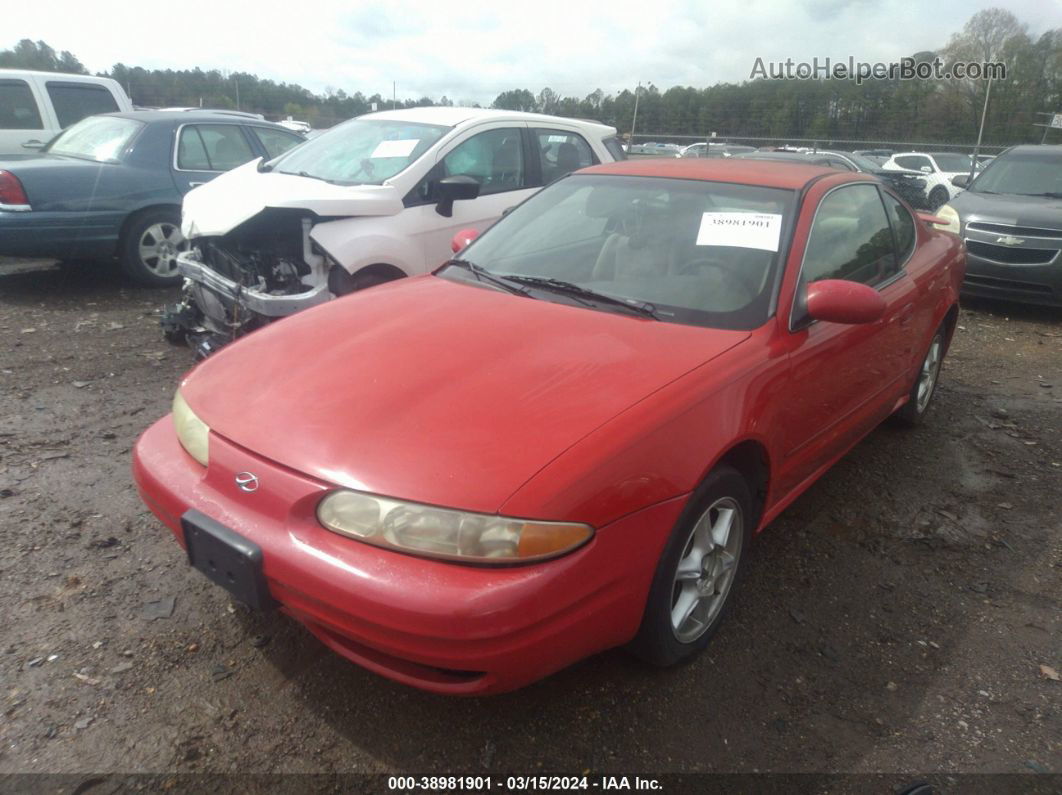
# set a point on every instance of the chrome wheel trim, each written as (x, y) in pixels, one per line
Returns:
(927, 376)
(705, 572)
(159, 246)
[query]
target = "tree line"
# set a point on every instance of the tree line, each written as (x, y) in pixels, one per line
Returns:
(879, 109)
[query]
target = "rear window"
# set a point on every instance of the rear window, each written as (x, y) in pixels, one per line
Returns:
(614, 148)
(75, 101)
(100, 138)
(18, 109)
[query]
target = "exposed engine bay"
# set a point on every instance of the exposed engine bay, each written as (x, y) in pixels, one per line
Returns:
(265, 268)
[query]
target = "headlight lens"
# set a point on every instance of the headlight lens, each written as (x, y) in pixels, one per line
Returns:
(947, 212)
(192, 432)
(443, 533)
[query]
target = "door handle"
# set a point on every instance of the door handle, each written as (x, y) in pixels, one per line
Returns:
(33, 143)
(195, 184)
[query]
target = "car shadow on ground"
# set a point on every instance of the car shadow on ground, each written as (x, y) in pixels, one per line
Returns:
(28, 282)
(849, 609)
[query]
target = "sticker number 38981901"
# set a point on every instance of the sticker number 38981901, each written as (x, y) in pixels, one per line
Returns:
(744, 230)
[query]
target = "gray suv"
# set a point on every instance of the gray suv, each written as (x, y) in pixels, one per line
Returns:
(1010, 218)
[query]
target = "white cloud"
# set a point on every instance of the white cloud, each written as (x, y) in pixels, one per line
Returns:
(474, 50)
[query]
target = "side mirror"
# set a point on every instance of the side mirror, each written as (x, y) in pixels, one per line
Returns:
(451, 189)
(840, 301)
(926, 170)
(463, 238)
(960, 180)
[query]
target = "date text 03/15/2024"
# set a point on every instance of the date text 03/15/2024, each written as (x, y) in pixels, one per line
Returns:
(539, 783)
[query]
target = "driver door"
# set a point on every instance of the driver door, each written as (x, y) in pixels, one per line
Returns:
(496, 157)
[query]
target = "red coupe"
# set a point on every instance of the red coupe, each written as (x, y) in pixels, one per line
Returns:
(565, 439)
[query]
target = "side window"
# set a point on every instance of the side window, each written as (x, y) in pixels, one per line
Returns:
(561, 153)
(276, 142)
(903, 227)
(18, 108)
(191, 152)
(75, 101)
(851, 238)
(912, 162)
(494, 158)
(224, 144)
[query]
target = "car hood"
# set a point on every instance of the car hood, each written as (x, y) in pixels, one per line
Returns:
(225, 202)
(438, 392)
(1009, 209)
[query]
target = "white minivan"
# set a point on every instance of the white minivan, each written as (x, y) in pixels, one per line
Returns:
(373, 199)
(37, 106)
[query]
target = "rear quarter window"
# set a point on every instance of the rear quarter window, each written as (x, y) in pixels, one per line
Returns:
(75, 101)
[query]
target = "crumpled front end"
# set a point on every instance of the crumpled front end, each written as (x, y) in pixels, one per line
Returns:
(264, 269)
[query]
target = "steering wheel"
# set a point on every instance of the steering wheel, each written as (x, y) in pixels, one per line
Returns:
(729, 272)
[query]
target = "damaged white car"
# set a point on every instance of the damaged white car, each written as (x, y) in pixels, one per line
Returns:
(373, 199)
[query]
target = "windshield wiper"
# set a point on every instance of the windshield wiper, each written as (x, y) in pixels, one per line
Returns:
(1049, 195)
(484, 275)
(643, 308)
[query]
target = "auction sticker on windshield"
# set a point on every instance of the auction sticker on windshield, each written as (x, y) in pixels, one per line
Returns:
(743, 230)
(395, 148)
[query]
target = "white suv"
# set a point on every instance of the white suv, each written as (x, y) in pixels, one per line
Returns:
(37, 106)
(373, 199)
(937, 168)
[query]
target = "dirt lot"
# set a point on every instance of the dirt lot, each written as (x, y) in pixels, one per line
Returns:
(895, 619)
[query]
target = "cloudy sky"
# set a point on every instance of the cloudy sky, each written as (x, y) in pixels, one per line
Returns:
(474, 50)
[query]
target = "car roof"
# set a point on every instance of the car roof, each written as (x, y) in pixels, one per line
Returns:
(451, 116)
(189, 116)
(10, 71)
(791, 176)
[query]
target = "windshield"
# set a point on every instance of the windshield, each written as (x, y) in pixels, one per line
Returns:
(99, 138)
(361, 151)
(1022, 174)
(952, 162)
(699, 253)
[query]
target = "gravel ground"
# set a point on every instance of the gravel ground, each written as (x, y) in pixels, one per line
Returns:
(901, 617)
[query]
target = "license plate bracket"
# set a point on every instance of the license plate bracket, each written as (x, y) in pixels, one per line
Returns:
(227, 559)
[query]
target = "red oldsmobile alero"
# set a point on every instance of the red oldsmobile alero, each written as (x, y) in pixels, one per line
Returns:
(564, 440)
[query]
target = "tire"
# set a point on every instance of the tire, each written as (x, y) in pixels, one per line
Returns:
(925, 385)
(938, 197)
(685, 577)
(148, 249)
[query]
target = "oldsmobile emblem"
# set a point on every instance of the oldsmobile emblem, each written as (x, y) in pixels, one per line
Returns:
(247, 481)
(1010, 240)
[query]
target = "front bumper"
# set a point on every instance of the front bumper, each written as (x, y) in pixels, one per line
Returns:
(1034, 277)
(438, 626)
(217, 294)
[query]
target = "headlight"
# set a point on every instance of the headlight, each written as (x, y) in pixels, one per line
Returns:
(443, 533)
(192, 432)
(947, 212)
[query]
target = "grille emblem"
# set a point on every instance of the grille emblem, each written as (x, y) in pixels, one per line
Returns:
(247, 481)
(1010, 240)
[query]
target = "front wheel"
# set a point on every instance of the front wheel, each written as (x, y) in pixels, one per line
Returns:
(150, 247)
(938, 197)
(697, 571)
(925, 385)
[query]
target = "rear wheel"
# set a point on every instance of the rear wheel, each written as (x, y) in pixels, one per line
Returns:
(697, 572)
(150, 247)
(925, 385)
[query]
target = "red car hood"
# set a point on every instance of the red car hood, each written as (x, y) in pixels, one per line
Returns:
(438, 392)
